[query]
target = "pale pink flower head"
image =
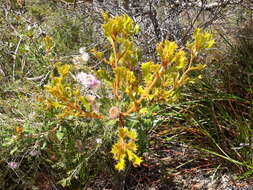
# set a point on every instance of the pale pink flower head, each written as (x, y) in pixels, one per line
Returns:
(34, 153)
(88, 80)
(13, 165)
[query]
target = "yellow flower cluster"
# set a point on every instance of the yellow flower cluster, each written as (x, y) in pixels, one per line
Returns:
(125, 147)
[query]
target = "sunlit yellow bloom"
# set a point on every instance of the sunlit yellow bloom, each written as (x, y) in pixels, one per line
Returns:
(125, 146)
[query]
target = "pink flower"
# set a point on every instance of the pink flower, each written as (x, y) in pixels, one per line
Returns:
(13, 165)
(34, 153)
(87, 80)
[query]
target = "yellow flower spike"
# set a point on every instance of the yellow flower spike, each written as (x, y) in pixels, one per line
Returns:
(210, 43)
(105, 16)
(63, 69)
(137, 161)
(202, 39)
(120, 166)
(132, 146)
(130, 155)
(114, 151)
(122, 132)
(180, 59)
(49, 44)
(117, 150)
(159, 48)
(132, 135)
(143, 111)
(125, 146)
(169, 49)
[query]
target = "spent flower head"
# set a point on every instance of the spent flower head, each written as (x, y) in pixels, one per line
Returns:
(34, 153)
(82, 50)
(99, 141)
(77, 60)
(114, 112)
(82, 58)
(84, 55)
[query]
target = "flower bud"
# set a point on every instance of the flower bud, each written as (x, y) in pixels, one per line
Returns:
(114, 112)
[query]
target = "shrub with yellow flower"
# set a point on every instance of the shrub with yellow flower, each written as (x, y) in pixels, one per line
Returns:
(154, 83)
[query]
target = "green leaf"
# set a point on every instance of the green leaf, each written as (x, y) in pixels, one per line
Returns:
(148, 70)
(86, 103)
(59, 135)
(68, 1)
(136, 29)
(8, 141)
(65, 182)
(14, 150)
(169, 49)
(210, 43)
(63, 69)
(102, 74)
(180, 59)
(125, 76)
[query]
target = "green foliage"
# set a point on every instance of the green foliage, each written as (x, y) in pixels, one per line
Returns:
(24, 48)
(22, 135)
(23, 54)
(69, 34)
